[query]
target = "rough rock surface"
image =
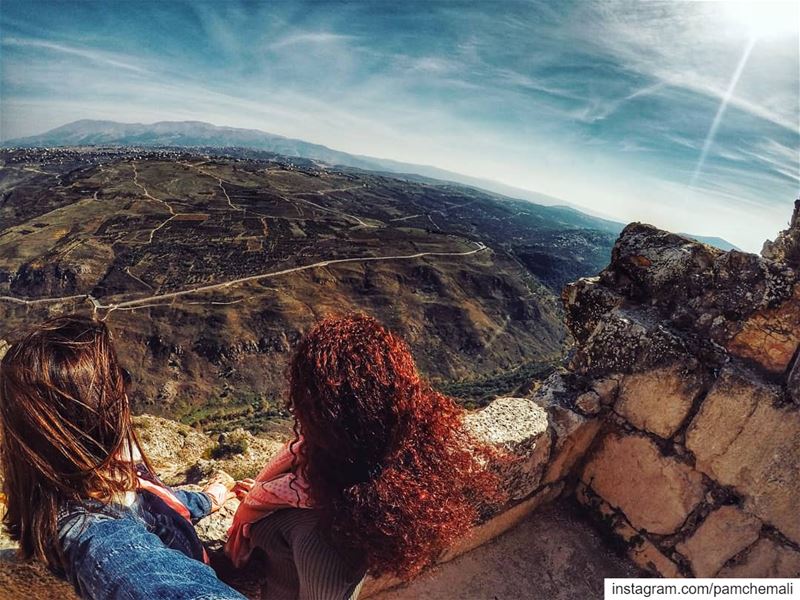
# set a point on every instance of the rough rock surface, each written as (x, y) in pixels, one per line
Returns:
(663, 295)
(697, 469)
(765, 559)
(659, 400)
(770, 336)
(655, 492)
(741, 438)
(518, 427)
(724, 533)
(181, 454)
(786, 247)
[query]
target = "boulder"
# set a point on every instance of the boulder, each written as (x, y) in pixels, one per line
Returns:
(648, 263)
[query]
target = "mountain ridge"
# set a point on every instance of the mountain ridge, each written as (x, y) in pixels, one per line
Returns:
(193, 134)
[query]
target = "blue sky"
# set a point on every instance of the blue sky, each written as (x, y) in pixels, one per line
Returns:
(608, 105)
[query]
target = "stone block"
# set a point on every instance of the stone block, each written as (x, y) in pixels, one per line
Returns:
(573, 434)
(518, 427)
(658, 400)
(723, 534)
(770, 337)
(656, 493)
(650, 558)
(741, 438)
(765, 559)
(643, 552)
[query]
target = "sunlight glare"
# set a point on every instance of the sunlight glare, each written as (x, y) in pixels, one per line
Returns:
(712, 132)
(764, 19)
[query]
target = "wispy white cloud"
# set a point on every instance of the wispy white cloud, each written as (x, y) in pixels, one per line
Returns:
(690, 46)
(95, 56)
(317, 38)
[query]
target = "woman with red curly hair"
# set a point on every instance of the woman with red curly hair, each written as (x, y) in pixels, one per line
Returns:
(381, 470)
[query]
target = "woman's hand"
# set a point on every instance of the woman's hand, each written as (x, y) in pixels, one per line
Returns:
(218, 489)
(241, 488)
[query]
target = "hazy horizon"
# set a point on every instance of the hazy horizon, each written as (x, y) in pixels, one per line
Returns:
(684, 115)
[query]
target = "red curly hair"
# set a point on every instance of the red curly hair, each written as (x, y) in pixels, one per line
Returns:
(386, 457)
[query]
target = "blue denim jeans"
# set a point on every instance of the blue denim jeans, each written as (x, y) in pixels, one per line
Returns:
(145, 551)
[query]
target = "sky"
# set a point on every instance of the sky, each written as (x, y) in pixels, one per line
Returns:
(685, 115)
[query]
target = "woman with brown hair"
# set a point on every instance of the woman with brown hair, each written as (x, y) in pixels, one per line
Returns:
(80, 494)
(381, 473)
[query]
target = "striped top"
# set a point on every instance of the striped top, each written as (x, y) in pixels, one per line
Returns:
(301, 564)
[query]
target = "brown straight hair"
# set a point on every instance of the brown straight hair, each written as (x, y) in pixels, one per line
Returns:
(66, 433)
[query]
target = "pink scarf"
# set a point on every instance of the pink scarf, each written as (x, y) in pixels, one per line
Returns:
(275, 487)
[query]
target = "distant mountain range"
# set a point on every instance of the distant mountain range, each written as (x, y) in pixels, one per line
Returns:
(186, 134)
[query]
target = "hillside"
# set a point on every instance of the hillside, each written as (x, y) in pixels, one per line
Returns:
(193, 134)
(211, 265)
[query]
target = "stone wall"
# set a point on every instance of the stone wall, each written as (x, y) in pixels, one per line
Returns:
(690, 356)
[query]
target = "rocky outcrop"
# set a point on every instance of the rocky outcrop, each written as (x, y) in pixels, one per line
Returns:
(786, 247)
(696, 466)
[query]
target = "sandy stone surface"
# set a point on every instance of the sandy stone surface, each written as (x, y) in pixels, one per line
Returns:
(656, 493)
(741, 439)
(553, 555)
(658, 400)
(722, 535)
(30, 580)
(573, 435)
(519, 427)
(766, 559)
